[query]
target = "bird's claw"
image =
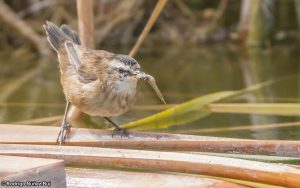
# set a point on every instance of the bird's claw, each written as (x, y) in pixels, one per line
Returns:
(120, 131)
(63, 133)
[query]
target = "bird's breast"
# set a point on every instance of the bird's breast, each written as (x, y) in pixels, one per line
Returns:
(109, 100)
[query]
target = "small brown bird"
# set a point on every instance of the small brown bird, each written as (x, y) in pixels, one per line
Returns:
(97, 82)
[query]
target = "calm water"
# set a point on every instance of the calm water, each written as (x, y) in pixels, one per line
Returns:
(30, 88)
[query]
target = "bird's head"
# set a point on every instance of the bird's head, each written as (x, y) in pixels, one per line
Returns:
(128, 71)
(124, 67)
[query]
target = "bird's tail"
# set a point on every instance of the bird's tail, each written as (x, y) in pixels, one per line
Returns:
(56, 35)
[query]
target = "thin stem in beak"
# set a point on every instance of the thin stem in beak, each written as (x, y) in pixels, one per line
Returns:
(152, 83)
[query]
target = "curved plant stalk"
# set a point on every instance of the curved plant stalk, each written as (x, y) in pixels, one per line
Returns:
(157, 10)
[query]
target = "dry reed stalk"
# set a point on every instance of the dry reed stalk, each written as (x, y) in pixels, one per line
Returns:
(275, 174)
(44, 135)
(157, 10)
(8, 16)
(86, 22)
(240, 128)
(79, 177)
(86, 33)
(281, 109)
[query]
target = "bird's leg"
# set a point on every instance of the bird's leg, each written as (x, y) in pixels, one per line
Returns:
(118, 130)
(64, 127)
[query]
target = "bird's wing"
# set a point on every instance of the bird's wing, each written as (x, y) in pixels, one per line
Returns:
(73, 55)
(88, 63)
(70, 34)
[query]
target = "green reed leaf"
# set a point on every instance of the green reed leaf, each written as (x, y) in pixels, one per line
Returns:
(279, 109)
(191, 110)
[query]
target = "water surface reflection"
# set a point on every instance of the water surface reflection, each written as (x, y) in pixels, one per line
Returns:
(30, 88)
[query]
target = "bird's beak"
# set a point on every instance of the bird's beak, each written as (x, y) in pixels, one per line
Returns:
(134, 73)
(152, 83)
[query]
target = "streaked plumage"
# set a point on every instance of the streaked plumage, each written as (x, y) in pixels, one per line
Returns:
(97, 82)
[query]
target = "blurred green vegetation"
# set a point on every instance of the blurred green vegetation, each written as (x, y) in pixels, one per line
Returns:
(119, 23)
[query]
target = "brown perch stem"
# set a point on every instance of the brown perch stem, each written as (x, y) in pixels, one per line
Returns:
(44, 135)
(107, 178)
(276, 174)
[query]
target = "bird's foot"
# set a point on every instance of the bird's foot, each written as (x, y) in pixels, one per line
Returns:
(122, 132)
(64, 132)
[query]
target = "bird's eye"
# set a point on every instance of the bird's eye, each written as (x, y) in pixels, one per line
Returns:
(121, 70)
